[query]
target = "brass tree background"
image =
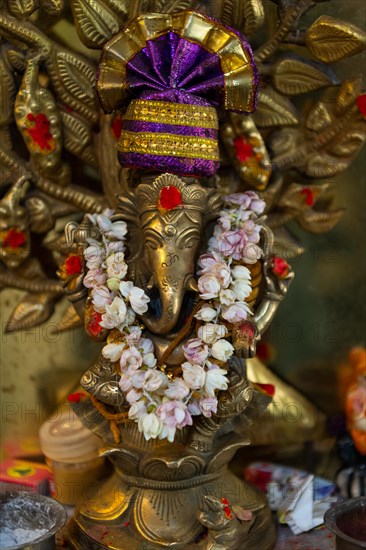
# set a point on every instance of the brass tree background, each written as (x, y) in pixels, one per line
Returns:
(58, 150)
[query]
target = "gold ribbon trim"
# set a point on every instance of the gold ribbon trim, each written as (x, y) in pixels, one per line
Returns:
(195, 27)
(164, 112)
(172, 145)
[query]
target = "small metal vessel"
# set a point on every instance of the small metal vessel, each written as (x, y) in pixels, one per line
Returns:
(347, 520)
(22, 512)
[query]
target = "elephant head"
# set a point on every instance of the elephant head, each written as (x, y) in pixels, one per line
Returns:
(167, 220)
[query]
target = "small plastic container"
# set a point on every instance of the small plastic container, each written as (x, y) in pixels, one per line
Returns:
(71, 452)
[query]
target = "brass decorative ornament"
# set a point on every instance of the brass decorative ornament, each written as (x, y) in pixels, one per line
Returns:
(159, 186)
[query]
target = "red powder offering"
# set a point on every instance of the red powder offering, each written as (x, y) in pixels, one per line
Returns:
(40, 131)
(269, 389)
(170, 197)
(73, 264)
(116, 126)
(361, 104)
(243, 149)
(280, 267)
(309, 196)
(76, 397)
(14, 238)
(93, 325)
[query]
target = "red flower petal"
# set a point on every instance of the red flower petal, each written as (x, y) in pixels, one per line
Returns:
(14, 238)
(361, 104)
(170, 197)
(280, 267)
(243, 149)
(309, 196)
(73, 264)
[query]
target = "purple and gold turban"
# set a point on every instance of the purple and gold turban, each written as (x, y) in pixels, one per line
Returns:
(174, 71)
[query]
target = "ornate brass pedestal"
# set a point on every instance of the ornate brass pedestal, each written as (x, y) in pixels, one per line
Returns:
(152, 498)
(116, 533)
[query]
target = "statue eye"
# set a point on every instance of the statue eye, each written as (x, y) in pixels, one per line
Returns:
(191, 242)
(151, 243)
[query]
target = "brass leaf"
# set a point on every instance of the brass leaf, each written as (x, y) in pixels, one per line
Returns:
(33, 310)
(319, 222)
(7, 93)
(294, 196)
(319, 117)
(330, 39)
(77, 133)
(170, 6)
(69, 320)
(40, 215)
(348, 93)
(246, 15)
(73, 80)
(22, 8)
(118, 7)
(274, 110)
(286, 245)
(94, 21)
(16, 59)
(348, 144)
(324, 166)
(284, 141)
(52, 7)
(293, 76)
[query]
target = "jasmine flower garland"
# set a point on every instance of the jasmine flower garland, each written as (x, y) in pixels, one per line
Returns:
(158, 404)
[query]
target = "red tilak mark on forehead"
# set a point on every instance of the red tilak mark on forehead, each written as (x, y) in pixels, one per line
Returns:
(170, 197)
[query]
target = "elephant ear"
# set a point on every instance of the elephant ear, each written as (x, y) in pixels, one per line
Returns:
(214, 205)
(128, 212)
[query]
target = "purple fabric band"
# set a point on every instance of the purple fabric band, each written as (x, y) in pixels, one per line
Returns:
(139, 126)
(174, 165)
(173, 69)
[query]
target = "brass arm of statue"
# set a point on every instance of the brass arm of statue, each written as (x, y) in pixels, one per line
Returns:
(101, 381)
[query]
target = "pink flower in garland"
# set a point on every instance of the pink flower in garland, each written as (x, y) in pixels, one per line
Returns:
(195, 351)
(174, 414)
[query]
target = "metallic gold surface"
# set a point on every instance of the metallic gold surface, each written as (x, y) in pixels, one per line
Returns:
(153, 143)
(309, 140)
(215, 38)
(171, 113)
(155, 479)
(155, 483)
(330, 39)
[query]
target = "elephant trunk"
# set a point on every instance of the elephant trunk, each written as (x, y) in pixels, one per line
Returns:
(169, 309)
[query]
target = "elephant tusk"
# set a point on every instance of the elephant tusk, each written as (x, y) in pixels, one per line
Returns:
(192, 284)
(150, 285)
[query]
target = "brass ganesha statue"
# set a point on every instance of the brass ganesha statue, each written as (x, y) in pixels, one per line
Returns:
(164, 494)
(174, 81)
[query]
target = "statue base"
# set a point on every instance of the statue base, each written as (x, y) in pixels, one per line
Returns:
(123, 516)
